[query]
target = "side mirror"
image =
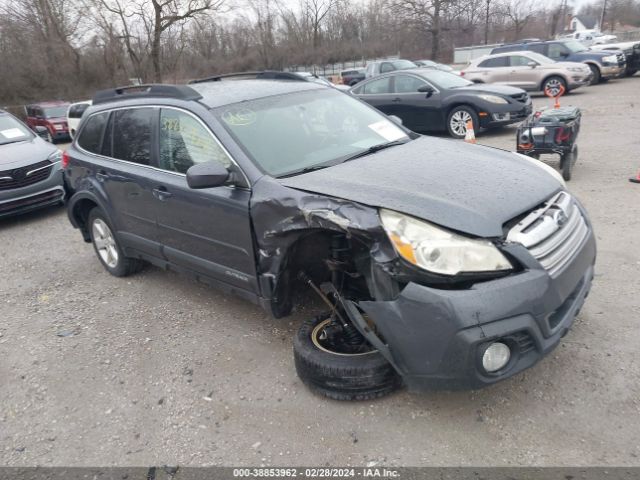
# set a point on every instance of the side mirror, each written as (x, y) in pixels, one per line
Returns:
(207, 175)
(428, 89)
(532, 64)
(42, 132)
(395, 119)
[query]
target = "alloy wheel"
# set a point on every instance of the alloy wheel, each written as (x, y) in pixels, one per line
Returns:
(459, 121)
(105, 243)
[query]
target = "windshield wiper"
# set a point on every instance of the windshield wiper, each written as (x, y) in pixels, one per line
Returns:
(374, 149)
(303, 170)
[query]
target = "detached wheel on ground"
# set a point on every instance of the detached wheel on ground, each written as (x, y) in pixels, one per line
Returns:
(595, 71)
(567, 161)
(457, 121)
(107, 248)
(339, 371)
(554, 85)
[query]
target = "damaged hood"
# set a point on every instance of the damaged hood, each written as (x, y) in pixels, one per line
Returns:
(468, 188)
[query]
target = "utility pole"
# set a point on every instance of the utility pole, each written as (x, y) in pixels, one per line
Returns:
(486, 24)
(604, 12)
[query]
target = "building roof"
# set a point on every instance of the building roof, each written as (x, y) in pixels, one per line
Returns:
(588, 22)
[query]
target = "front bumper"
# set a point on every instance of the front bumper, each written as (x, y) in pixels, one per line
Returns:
(504, 115)
(41, 194)
(435, 337)
(612, 71)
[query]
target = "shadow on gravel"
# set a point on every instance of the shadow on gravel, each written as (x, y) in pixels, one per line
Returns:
(34, 216)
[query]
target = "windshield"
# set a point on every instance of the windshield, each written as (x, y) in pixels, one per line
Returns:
(288, 133)
(575, 46)
(538, 57)
(403, 64)
(11, 130)
(53, 112)
(446, 80)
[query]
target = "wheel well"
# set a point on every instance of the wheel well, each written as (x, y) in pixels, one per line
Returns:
(81, 213)
(311, 254)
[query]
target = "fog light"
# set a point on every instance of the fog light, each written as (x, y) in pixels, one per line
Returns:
(495, 357)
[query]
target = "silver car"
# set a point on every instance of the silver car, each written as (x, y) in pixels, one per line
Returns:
(529, 71)
(30, 169)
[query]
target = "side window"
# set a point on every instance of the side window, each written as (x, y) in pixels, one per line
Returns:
(538, 48)
(185, 142)
(494, 62)
(557, 50)
(90, 138)
(408, 84)
(519, 61)
(76, 111)
(132, 133)
(386, 67)
(377, 87)
(358, 90)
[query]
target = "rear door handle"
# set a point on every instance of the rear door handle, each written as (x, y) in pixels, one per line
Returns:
(101, 175)
(396, 100)
(161, 193)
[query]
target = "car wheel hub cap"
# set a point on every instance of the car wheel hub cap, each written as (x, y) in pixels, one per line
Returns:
(459, 122)
(105, 243)
(553, 86)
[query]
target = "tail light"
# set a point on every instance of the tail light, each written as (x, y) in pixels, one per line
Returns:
(462, 73)
(65, 159)
(562, 134)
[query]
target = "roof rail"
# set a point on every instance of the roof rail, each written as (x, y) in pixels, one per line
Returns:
(258, 75)
(181, 92)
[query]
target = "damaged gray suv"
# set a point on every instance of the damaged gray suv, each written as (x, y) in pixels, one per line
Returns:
(441, 264)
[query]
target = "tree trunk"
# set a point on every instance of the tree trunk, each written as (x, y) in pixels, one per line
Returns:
(155, 44)
(435, 33)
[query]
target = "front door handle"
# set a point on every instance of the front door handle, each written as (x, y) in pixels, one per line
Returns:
(161, 193)
(396, 100)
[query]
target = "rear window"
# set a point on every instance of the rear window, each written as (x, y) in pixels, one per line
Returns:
(90, 138)
(76, 111)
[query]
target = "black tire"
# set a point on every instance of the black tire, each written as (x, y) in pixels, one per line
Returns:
(631, 73)
(460, 133)
(339, 376)
(123, 265)
(567, 162)
(596, 78)
(553, 84)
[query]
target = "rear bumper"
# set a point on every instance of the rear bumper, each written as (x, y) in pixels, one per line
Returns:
(436, 337)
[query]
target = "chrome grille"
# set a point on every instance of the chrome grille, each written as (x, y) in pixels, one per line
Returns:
(25, 176)
(552, 233)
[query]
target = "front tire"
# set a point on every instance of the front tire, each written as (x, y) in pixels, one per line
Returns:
(107, 247)
(457, 121)
(340, 376)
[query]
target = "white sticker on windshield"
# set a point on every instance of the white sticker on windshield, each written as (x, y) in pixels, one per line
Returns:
(387, 130)
(12, 133)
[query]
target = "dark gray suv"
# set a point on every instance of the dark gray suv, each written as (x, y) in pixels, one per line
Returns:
(441, 264)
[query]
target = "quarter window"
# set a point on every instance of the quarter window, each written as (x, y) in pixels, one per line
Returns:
(557, 50)
(407, 84)
(90, 138)
(185, 142)
(132, 133)
(377, 87)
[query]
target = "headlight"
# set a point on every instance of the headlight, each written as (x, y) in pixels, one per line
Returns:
(611, 59)
(493, 99)
(438, 250)
(576, 69)
(55, 157)
(550, 170)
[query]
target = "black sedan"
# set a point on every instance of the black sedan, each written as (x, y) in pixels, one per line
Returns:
(429, 100)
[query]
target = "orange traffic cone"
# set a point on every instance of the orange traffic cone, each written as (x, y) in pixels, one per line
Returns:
(470, 136)
(636, 179)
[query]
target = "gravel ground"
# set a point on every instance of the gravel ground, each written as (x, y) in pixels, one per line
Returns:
(157, 369)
